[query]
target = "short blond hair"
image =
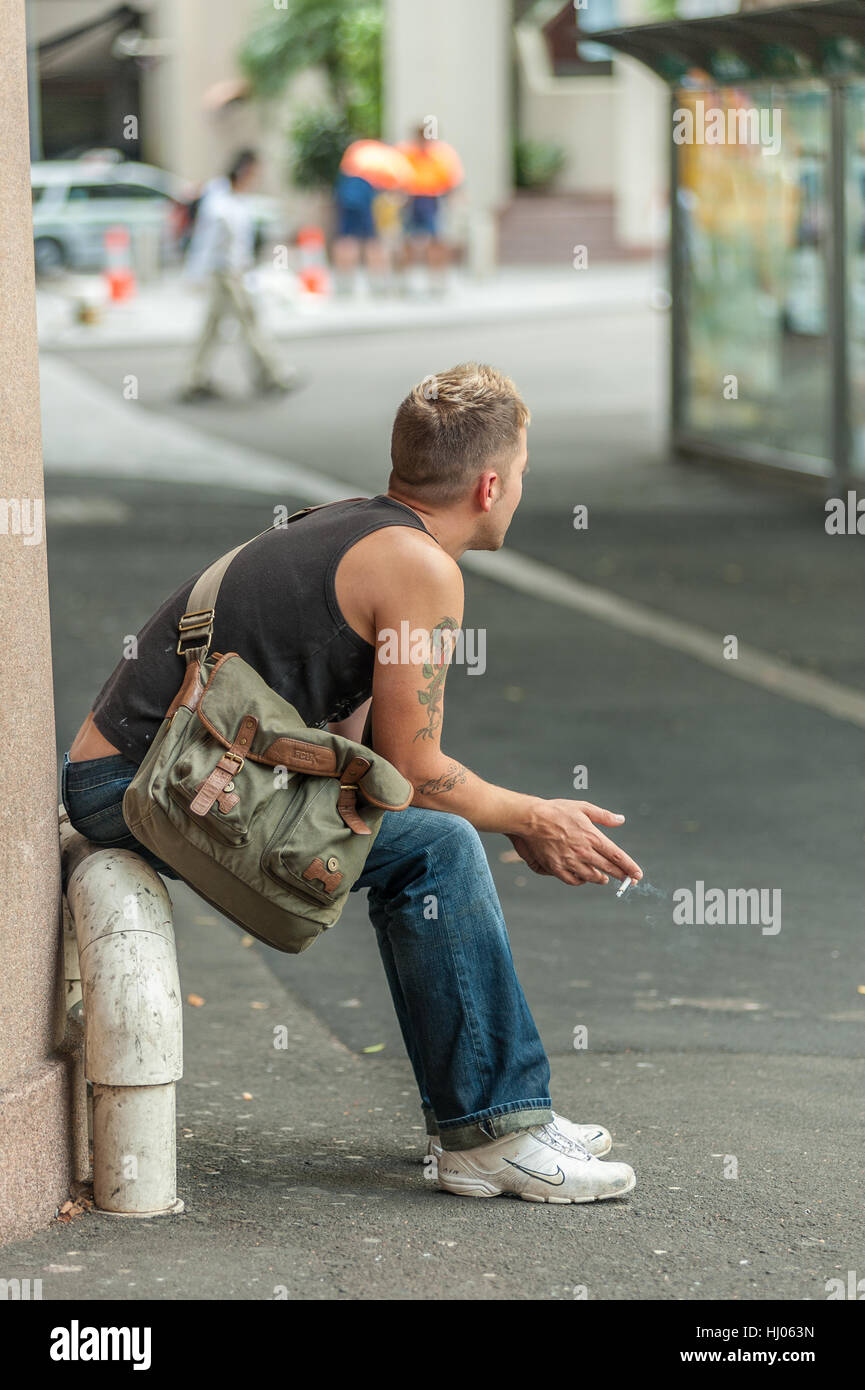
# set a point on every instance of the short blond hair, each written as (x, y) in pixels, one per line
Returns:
(451, 425)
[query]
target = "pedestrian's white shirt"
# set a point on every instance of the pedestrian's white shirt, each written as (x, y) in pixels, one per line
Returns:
(224, 236)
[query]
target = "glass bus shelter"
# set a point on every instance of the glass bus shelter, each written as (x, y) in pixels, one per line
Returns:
(767, 142)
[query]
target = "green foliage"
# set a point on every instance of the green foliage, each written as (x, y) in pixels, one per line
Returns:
(319, 138)
(343, 38)
(360, 43)
(284, 42)
(537, 163)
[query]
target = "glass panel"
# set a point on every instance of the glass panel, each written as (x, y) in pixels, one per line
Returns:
(855, 196)
(754, 170)
(104, 192)
(600, 14)
(135, 190)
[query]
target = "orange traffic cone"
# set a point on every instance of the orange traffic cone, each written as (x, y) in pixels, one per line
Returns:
(313, 273)
(118, 263)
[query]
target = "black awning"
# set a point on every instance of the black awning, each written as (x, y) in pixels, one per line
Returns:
(824, 38)
(88, 49)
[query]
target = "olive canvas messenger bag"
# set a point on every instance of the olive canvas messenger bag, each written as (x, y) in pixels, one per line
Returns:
(267, 819)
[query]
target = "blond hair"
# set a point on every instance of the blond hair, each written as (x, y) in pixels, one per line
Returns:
(451, 425)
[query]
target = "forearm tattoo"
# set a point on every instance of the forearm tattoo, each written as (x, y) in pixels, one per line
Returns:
(454, 777)
(432, 696)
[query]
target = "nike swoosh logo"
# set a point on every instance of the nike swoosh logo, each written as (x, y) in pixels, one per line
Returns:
(554, 1179)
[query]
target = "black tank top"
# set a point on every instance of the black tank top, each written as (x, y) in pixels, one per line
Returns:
(277, 609)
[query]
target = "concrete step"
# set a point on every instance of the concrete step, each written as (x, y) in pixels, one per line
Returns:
(544, 228)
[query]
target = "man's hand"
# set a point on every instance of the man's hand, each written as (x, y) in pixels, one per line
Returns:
(564, 842)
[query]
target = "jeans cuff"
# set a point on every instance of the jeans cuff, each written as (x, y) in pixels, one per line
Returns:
(489, 1125)
(429, 1115)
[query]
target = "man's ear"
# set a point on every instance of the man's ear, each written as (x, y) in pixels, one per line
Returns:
(488, 489)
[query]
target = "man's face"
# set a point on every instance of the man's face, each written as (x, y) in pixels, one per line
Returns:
(496, 521)
(247, 179)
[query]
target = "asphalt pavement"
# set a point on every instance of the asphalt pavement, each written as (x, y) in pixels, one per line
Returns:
(725, 1059)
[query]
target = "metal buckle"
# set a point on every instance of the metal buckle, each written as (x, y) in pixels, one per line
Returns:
(235, 758)
(186, 620)
(200, 621)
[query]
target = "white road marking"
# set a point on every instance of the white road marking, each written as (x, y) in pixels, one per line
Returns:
(752, 665)
(86, 511)
(83, 420)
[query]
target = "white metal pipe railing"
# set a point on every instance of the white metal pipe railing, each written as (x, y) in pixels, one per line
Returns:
(133, 1032)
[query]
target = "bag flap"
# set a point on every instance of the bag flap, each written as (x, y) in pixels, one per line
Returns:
(234, 689)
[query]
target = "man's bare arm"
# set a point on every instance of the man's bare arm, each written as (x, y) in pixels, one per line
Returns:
(555, 837)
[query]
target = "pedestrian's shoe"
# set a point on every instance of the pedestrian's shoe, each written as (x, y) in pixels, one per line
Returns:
(539, 1165)
(278, 385)
(200, 391)
(595, 1138)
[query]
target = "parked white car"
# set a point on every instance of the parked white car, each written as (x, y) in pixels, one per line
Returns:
(75, 201)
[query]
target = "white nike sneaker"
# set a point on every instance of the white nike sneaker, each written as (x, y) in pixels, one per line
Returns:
(539, 1165)
(595, 1138)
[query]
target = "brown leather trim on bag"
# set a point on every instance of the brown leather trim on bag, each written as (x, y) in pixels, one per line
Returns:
(325, 758)
(299, 756)
(355, 769)
(190, 691)
(316, 870)
(285, 751)
(202, 716)
(346, 805)
(387, 805)
(228, 766)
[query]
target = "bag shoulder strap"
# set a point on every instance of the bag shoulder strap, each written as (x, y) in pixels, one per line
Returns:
(196, 625)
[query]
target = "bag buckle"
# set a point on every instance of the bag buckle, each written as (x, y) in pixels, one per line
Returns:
(235, 758)
(198, 622)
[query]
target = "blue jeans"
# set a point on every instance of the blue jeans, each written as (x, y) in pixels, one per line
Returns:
(477, 1057)
(92, 792)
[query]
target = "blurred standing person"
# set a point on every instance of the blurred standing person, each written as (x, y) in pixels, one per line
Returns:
(221, 253)
(387, 211)
(368, 169)
(356, 234)
(436, 171)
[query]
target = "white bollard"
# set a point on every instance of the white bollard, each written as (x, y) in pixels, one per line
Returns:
(133, 1032)
(135, 1138)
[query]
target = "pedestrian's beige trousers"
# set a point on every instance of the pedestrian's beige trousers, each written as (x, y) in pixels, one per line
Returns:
(229, 295)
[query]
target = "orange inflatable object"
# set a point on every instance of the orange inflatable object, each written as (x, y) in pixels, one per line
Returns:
(381, 165)
(436, 168)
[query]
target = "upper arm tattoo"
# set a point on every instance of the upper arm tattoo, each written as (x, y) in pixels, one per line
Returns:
(434, 672)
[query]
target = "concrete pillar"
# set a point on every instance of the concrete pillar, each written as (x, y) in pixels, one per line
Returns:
(641, 170)
(201, 39)
(39, 1091)
(452, 60)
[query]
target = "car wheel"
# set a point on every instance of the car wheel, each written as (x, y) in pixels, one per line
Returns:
(48, 255)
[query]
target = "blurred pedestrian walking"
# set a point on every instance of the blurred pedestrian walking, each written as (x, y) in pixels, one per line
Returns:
(221, 253)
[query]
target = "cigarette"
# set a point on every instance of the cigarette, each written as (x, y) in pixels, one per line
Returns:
(625, 886)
